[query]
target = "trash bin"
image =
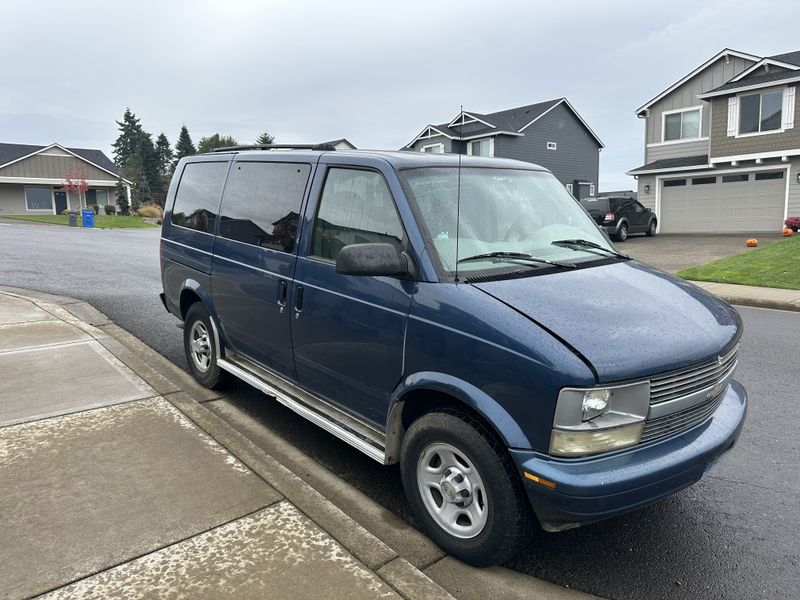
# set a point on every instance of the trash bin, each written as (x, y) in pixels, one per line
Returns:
(88, 218)
(72, 218)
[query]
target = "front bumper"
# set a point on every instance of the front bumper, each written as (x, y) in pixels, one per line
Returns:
(595, 488)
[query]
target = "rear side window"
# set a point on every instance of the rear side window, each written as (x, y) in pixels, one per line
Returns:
(356, 207)
(197, 200)
(262, 204)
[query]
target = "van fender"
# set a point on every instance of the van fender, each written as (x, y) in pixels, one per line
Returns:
(205, 298)
(494, 414)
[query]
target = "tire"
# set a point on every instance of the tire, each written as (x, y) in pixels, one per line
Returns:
(452, 447)
(199, 345)
(622, 233)
(651, 228)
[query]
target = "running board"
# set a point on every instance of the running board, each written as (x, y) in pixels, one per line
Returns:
(359, 435)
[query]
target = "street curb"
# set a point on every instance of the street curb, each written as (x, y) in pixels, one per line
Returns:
(745, 295)
(161, 374)
(760, 302)
(401, 563)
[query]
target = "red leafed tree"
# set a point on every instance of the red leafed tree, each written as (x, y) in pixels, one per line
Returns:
(76, 184)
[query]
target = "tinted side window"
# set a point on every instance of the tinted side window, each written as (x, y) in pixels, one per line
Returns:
(262, 204)
(197, 200)
(356, 208)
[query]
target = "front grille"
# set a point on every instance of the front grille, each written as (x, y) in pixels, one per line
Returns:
(683, 382)
(680, 421)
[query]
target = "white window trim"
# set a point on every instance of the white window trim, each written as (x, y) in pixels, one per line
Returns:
(552, 145)
(783, 91)
(673, 142)
(591, 190)
(51, 210)
(681, 139)
(439, 145)
(491, 145)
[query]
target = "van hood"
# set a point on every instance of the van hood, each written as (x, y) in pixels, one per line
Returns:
(626, 319)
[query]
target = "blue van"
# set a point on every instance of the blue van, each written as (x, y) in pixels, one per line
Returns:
(462, 316)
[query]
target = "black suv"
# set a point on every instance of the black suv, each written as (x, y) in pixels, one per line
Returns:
(621, 216)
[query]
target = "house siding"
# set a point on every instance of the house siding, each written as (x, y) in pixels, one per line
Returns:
(576, 158)
(686, 95)
(648, 199)
(676, 150)
(439, 139)
(722, 145)
(793, 205)
(53, 167)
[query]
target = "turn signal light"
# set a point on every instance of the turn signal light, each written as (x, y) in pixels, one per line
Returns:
(609, 217)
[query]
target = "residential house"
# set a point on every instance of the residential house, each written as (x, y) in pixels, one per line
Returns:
(341, 144)
(551, 134)
(32, 178)
(722, 151)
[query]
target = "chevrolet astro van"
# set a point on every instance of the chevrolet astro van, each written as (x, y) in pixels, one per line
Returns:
(462, 316)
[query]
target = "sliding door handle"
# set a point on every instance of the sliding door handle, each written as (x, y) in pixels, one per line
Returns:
(283, 288)
(298, 301)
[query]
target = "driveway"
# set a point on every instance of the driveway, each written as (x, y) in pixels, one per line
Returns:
(673, 251)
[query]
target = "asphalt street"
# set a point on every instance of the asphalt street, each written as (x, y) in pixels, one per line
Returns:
(733, 535)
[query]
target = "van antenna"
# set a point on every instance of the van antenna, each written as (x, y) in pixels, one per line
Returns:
(458, 186)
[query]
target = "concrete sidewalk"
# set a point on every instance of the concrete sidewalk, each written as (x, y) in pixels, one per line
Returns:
(749, 295)
(119, 478)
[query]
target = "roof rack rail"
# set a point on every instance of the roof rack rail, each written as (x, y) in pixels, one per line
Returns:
(277, 147)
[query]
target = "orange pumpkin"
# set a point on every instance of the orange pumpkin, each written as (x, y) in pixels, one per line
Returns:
(787, 232)
(752, 243)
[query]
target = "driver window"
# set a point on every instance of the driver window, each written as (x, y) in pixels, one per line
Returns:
(356, 207)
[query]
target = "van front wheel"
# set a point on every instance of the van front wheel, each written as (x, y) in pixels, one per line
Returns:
(200, 346)
(463, 488)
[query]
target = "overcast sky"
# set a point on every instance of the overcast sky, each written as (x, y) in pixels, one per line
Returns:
(375, 72)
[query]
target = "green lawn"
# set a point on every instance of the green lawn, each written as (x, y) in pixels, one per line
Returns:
(775, 265)
(101, 221)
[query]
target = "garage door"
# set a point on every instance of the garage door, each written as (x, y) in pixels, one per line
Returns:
(733, 203)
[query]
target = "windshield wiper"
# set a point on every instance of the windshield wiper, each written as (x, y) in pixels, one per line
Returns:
(578, 244)
(516, 256)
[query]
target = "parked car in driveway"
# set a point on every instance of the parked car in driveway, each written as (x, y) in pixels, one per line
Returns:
(462, 316)
(621, 216)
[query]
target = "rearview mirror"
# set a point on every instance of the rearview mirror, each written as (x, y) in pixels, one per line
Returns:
(372, 259)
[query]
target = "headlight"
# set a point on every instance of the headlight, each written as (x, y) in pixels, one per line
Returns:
(595, 420)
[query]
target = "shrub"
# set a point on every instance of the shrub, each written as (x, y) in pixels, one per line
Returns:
(95, 208)
(110, 209)
(159, 222)
(151, 211)
(793, 223)
(66, 211)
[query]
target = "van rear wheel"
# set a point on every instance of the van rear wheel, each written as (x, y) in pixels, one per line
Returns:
(200, 347)
(464, 489)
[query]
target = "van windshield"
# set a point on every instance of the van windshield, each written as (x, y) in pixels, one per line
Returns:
(501, 211)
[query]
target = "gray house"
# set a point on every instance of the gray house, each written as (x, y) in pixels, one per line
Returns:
(32, 178)
(551, 134)
(722, 148)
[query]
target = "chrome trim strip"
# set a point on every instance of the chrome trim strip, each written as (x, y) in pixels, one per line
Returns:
(322, 289)
(186, 245)
(259, 269)
(662, 409)
(326, 422)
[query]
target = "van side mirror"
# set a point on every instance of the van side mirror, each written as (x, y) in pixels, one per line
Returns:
(373, 259)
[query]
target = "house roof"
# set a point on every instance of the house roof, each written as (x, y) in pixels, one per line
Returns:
(13, 152)
(684, 163)
(698, 70)
(790, 71)
(339, 141)
(511, 121)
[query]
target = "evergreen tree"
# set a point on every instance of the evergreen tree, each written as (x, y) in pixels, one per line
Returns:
(122, 198)
(130, 132)
(146, 150)
(134, 171)
(265, 139)
(207, 144)
(165, 155)
(184, 147)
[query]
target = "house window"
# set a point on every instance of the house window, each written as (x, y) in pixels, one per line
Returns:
(760, 112)
(433, 148)
(569, 188)
(552, 146)
(735, 178)
(591, 189)
(484, 147)
(38, 198)
(703, 180)
(769, 175)
(683, 125)
(674, 182)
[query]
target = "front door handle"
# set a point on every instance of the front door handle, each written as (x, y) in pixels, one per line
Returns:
(298, 301)
(283, 288)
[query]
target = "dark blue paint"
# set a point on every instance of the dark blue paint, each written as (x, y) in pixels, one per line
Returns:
(504, 349)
